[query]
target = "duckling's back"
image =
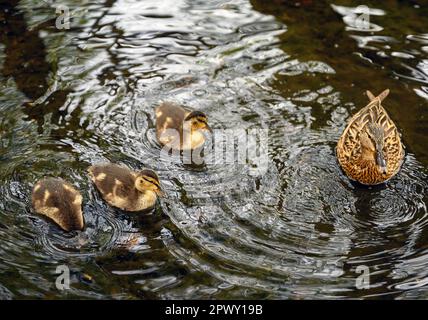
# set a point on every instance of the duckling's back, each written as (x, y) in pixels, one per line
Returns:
(112, 177)
(59, 201)
(169, 116)
(116, 185)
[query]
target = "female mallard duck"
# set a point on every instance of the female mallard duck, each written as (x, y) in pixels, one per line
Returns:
(370, 149)
(60, 202)
(125, 189)
(180, 128)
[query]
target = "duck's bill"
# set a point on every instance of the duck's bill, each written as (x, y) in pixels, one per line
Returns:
(380, 161)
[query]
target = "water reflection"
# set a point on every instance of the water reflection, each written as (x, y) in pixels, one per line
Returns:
(300, 230)
(24, 52)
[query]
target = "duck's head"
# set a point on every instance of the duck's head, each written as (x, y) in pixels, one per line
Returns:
(373, 142)
(197, 120)
(148, 180)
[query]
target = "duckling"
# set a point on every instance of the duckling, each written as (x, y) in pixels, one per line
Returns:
(370, 149)
(125, 189)
(180, 128)
(60, 202)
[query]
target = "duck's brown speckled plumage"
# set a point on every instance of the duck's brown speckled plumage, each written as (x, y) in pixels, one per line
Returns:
(349, 149)
(117, 186)
(60, 202)
(170, 118)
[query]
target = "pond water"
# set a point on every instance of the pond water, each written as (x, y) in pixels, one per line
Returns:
(73, 97)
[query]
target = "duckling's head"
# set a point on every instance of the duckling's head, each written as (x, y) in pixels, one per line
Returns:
(373, 143)
(148, 180)
(197, 120)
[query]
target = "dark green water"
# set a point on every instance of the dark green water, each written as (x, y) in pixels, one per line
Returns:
(73, 97)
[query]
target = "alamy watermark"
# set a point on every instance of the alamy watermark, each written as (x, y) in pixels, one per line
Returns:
(62, 21)
(334, 270)
(359, 18)
(362, 282)
(362, 19)
(62, 281)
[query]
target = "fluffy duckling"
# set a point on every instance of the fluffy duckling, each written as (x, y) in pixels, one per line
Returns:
(60, 202)
(125, 189)
(370, 149)
(180, 128)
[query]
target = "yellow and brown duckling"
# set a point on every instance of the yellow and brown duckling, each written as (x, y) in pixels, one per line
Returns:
(370, 149)
(59, 201)
(180, 128)
(126, 189)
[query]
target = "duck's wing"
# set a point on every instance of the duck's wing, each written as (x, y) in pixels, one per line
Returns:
(349, 145)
